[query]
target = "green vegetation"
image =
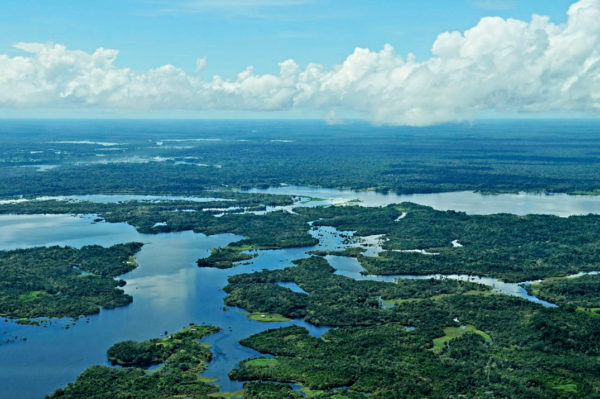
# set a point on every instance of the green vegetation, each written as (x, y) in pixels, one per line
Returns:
(333, 300)
(262, 362)
(184, 359)
(268, 317)
(158, 350)
(514, 248)
(393, 302)
(265, 390)
(63, 282)
(537, 352)
(487, 156)
(227, 395)
(352, 252)
(267, 299)
(269, 390)
(455, 332)
(224, 258)
(581, 292)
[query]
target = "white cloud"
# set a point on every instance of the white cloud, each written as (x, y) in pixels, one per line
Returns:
(498, 65)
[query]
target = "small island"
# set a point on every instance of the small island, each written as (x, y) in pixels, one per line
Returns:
(180, 358)
(224, 258)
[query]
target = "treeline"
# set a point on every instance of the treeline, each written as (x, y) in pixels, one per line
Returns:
(272, 230)
(514, 248)
(224, 258)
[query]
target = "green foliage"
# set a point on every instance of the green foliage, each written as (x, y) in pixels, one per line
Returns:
(532, 354)
(535, 353)
(155, 351)
(224, 258)
(265, 390)
(352, 252)
(184, 359)
(63, 282)
(267, 317)
(267, 298)
(453, 333)
(517, 349)
(507, 157)
(333, 300)
(514, 248)
(583, 292)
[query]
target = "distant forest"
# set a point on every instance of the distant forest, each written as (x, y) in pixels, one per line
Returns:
(185, 157)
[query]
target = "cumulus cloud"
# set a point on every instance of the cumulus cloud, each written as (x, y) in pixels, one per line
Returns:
(504, 65)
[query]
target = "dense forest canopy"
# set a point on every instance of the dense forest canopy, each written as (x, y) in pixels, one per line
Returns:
(186, 157)
(62, 281)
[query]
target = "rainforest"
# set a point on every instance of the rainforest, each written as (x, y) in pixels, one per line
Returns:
(218, 260)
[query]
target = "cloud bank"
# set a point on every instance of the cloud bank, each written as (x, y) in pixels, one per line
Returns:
(503, 65)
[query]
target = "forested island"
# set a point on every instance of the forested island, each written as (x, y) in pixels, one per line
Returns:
(62, 281)
(180, 356)
(333, 300)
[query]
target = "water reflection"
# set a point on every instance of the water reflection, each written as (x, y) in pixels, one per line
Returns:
(169, 292)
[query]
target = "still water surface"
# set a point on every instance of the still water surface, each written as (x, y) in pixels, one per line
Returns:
(169, 292)
(464, 201)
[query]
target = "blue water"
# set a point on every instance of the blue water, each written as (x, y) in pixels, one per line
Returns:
(169, 292)
(293, 287)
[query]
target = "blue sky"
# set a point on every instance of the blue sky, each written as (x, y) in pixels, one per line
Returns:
(150, 33)
(466, 65)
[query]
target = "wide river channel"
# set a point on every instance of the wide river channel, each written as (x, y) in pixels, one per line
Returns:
(170, 291)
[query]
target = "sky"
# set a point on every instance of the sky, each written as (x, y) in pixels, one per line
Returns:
(393, 62)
